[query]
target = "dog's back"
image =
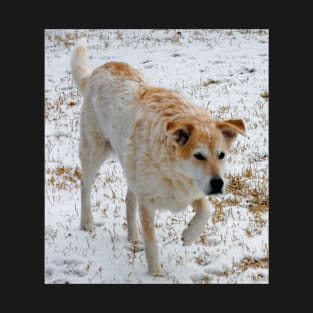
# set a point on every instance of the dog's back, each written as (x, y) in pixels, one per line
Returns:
(111, 92)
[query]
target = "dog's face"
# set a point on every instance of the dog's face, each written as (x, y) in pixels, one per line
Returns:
(199, 150)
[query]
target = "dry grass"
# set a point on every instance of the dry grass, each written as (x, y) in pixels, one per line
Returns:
(201, 260)
(249, 189)
(210, 82)
(240, 185)
(265, 95)
(225, 273)
(219, 214)
(243, 265)
(237, 185)
(259, 202)
(64, 177)
(65, 39)
(248, 262)
(205, 280)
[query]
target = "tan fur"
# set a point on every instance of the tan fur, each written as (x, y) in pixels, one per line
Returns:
(84, 83)
(146, 222)
(124, 70)
(157, 135)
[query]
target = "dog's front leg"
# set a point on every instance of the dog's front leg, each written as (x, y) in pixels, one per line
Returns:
(152, 254)
(131, 208)
(196, 225)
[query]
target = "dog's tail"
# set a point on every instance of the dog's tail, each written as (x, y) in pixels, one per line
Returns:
(80, 66)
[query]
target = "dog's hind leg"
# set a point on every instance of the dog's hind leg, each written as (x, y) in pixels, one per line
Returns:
(131, 210)
(196, 225)
(94, 149)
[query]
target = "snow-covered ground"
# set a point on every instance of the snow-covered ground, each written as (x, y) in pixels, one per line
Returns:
(225, 71)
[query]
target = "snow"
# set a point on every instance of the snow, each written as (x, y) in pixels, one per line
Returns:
(225, 71)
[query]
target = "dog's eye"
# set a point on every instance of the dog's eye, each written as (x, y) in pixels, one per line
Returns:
(221, 155)
(199, 156)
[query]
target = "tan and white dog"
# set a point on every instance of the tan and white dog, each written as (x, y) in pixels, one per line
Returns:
(171, 151)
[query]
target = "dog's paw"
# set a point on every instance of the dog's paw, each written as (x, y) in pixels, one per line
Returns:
(136, 246)
(87, 226)
(158, 272)
(188, 237)
(135, 239)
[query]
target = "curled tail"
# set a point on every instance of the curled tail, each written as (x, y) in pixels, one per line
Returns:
(80, 66)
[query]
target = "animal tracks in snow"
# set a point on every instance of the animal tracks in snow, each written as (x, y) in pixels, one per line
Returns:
(62, 270)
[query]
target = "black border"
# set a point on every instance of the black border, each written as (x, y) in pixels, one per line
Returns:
(28, 74)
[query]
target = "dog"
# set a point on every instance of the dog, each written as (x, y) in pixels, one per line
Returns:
(172, 152)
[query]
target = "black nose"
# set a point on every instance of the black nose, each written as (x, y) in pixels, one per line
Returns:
(216, 185)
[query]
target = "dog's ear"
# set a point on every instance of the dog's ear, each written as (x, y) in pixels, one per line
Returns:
(231, 128)
(180, 132)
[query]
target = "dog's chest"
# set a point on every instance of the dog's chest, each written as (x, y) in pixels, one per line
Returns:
(161, 193)
(170, 203)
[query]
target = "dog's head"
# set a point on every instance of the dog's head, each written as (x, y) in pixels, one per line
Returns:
(199, 150)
